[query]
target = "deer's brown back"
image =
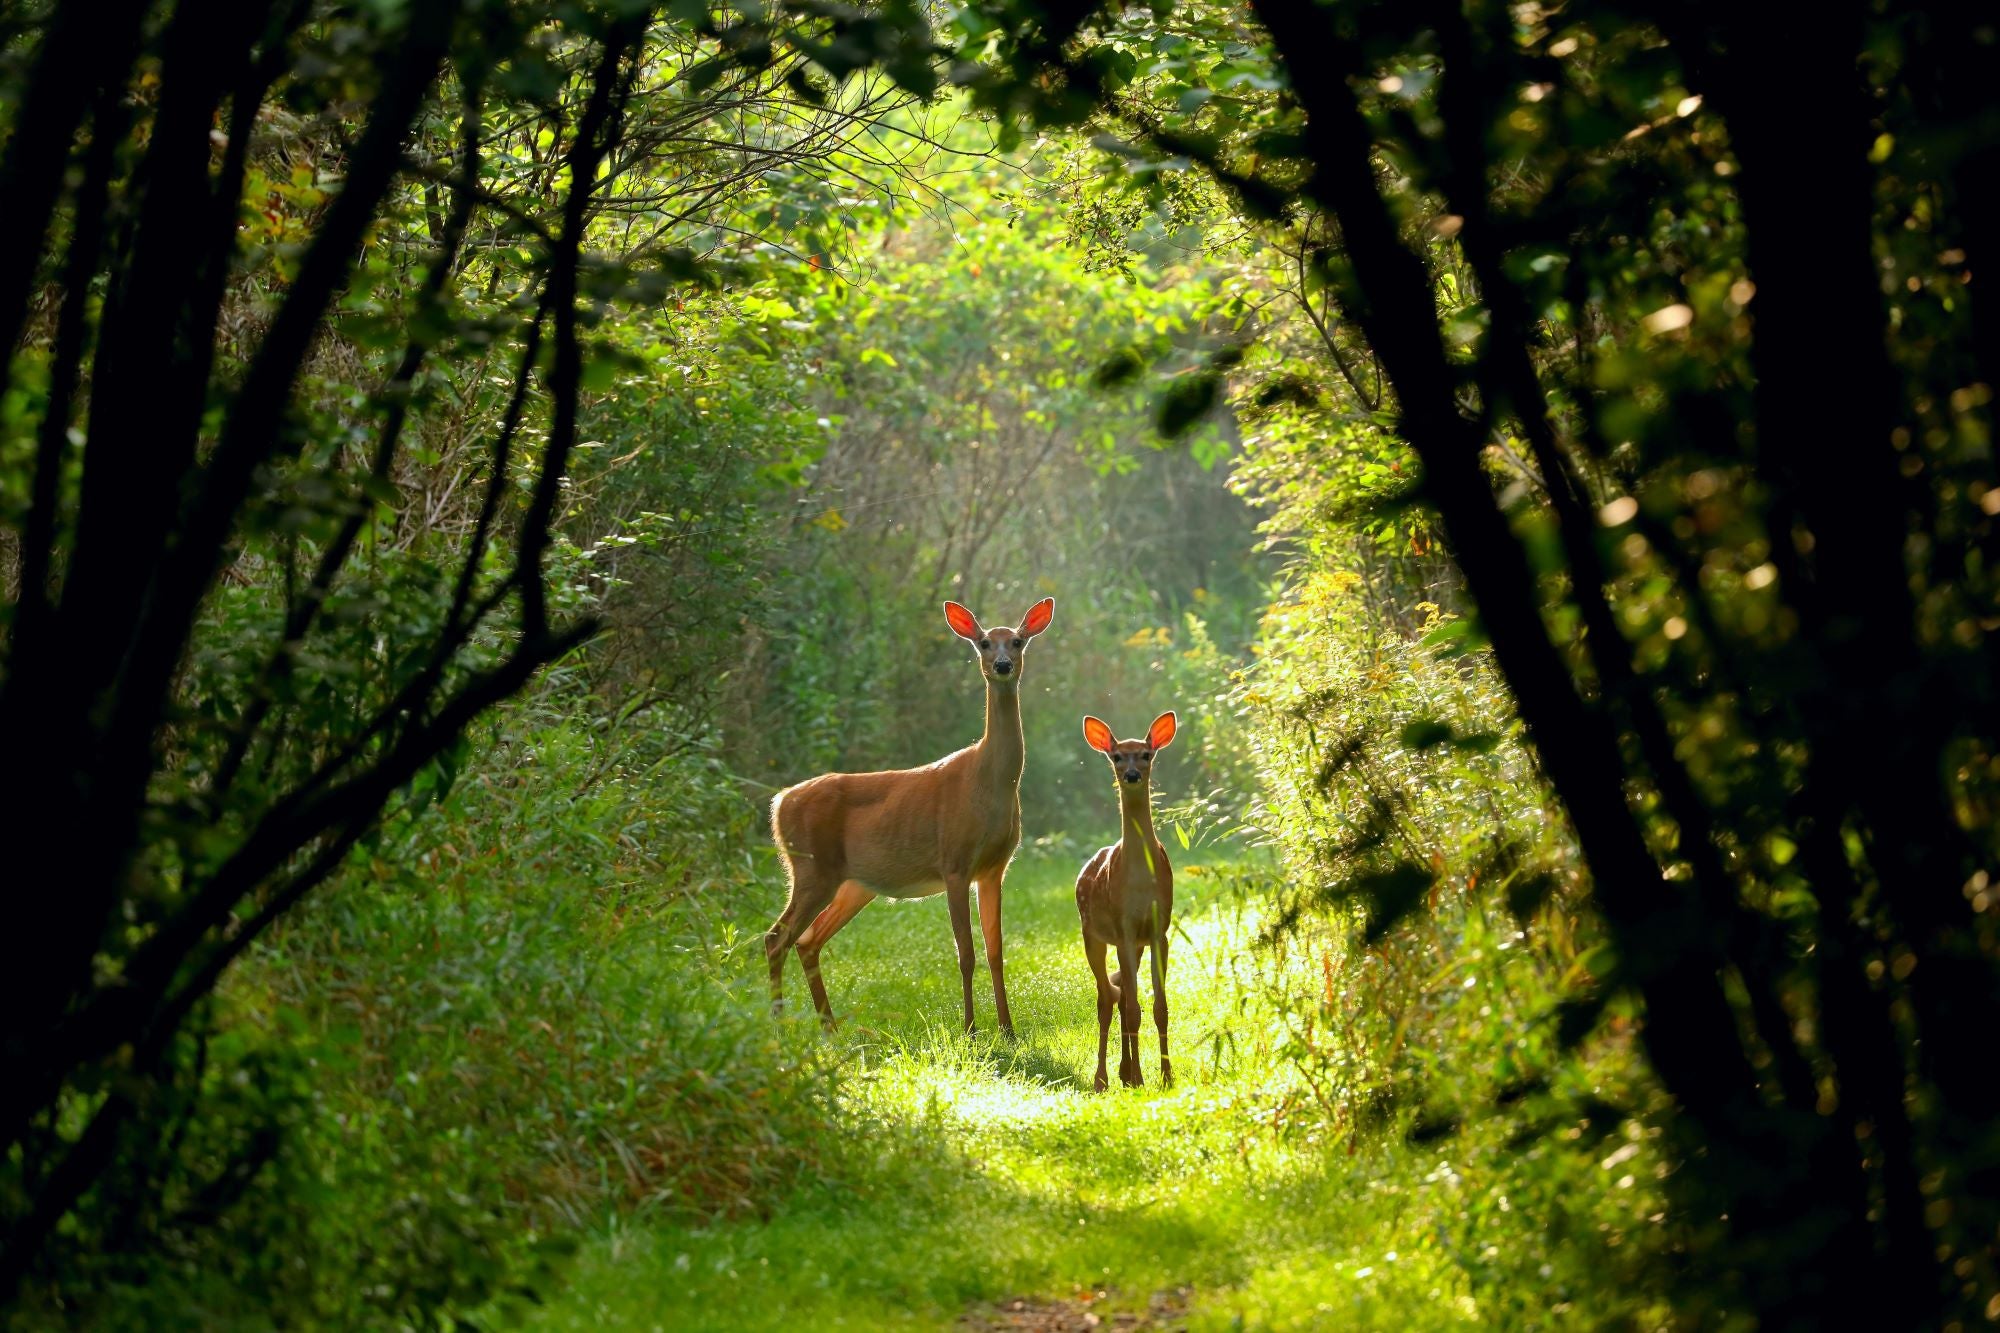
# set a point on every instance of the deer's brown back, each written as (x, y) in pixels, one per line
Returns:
(902, 831)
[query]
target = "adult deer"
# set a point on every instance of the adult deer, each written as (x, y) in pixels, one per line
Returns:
(908, 833)
(1125, 895)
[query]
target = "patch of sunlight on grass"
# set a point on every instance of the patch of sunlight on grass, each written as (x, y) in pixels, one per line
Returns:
(1311, 1291)
(970, 1169)
(1002, 1101)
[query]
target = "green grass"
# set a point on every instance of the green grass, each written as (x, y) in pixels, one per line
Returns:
(965, 1171)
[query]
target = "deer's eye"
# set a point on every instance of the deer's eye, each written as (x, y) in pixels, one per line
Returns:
(1017, 643)
(984, 645)
(1148, 756)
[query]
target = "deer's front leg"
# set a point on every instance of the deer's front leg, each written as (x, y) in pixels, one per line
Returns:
(1127, 982)
(1107, 1000)
(1160, 1005)
(989, 925)
(958, 896)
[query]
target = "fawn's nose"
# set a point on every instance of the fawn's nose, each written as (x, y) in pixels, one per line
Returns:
(1131, 775)
(1003, 666)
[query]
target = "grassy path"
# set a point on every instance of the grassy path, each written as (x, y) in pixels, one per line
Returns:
(976, 1173)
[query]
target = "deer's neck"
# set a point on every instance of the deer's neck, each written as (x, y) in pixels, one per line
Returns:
(1002, 751)
(1135, 817)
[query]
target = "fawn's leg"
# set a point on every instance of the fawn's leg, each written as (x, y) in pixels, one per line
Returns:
(989, 925)
(850, 898)
(1160, 1004)
(809, 894)
(958, 896)
(1107, 998)
(1128, 1015)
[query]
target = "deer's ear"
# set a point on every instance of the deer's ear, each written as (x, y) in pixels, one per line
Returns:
(961, 621)
(1038, 617)
(1161, 733)
(1096, 735)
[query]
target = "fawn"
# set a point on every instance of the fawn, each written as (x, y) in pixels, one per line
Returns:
(909, 833)
(1125, 895)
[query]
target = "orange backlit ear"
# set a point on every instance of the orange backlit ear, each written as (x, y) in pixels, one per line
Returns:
(1038, 617)
(1096, 735)
(961, 621)
(1162, 731)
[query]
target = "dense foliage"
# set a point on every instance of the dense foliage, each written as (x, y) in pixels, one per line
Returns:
(1755, 677)
(458, 460)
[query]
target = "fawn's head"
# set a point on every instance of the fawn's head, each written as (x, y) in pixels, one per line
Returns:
(1131, 761)
(1002, 651)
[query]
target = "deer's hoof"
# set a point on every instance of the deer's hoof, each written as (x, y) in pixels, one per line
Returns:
(1131, 1078)
(1166, 1074)
(1102, 1082)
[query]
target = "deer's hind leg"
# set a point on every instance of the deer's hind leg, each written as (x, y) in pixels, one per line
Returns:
(810, 894)
(849, 899)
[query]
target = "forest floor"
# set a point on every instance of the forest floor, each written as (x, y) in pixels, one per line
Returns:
(990, 1188)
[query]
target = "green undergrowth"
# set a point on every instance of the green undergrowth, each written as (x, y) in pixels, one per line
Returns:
(533, 1078)
(964, 1170)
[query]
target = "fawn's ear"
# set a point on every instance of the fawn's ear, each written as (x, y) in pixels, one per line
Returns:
(962, 621)
(1161, 733)
(1096, 735)
(1038, 617)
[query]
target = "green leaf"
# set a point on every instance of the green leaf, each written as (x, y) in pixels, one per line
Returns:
(1122, 367)
(1425, 734)
(1392, 895)
(1187, 400)
(1526, 895)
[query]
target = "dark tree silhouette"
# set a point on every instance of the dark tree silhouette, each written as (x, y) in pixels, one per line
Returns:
(114, 941)
(1821, 1020)
(192, 766)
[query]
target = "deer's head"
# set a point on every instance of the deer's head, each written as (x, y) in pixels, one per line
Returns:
(1131, 761)
(1003, 650)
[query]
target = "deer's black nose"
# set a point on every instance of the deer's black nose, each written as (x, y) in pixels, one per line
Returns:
(1003, 667)
(1131, 775)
